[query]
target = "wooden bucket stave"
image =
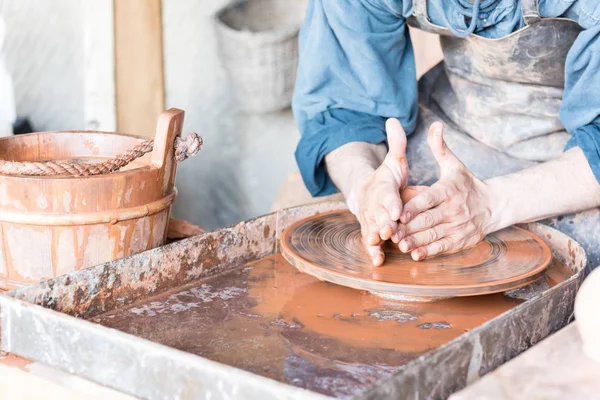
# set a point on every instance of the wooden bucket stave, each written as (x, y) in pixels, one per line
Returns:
(50, 226)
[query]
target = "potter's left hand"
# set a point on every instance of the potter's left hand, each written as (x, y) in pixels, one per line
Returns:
(452, 214)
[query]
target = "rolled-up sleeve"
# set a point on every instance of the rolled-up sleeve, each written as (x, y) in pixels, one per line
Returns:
(356, 70)
(580, 111)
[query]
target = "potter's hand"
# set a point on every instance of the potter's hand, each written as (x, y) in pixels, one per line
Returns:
(376, 201)
(452, 214)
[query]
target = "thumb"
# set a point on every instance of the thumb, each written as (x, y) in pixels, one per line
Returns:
(396, 139)
(444, 157)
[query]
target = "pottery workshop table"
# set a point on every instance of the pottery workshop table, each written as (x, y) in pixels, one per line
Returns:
(556, 368)
(287, 345)
(22, 379)
(28, 378)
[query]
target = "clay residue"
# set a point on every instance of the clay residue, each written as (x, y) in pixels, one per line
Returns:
(179, 229)
(272, 320)
(556, 273)
(12, 360)
(362, 320)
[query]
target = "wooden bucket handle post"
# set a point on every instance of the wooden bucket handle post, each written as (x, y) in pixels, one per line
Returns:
(168, 127)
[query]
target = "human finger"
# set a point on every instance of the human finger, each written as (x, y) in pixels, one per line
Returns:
(392, 203)
(396, 137)
(372, 242)
(399, 234)
(369, 229)
(376, 254)
(422, 238)
(426, 219)
(444, 157)
(443, 245)
(387, 227)
(423, 201)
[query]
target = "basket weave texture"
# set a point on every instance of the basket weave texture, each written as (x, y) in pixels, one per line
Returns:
(258, 43)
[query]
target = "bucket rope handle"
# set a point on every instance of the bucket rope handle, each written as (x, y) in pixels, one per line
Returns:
(184, 148)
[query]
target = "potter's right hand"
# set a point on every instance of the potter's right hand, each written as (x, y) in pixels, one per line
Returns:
(376, 200)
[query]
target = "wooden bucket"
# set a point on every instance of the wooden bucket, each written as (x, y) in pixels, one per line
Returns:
(53, 225)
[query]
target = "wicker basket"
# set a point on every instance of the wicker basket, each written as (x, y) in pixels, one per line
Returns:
(258, 41)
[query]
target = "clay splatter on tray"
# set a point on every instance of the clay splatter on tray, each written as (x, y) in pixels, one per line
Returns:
(272, 320)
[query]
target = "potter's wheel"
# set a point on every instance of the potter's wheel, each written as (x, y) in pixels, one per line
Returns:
(328, 246)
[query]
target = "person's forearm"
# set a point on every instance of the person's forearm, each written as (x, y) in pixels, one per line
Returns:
(561, 186)
(349, 165)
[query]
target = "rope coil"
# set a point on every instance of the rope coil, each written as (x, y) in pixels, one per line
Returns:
(184, 148)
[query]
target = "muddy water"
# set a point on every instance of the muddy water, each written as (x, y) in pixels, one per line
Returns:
(270, 319)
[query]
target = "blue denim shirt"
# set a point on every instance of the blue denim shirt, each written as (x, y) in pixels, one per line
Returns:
(357, 69)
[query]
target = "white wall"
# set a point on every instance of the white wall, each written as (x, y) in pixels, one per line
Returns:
(44, 53)
(245, 157)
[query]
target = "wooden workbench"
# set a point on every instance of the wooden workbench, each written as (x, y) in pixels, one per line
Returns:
(556, 368)
(22, 379)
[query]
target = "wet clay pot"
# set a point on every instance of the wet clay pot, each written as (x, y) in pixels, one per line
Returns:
(53, 225)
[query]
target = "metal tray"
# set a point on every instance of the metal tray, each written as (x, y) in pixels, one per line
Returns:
(49, 322)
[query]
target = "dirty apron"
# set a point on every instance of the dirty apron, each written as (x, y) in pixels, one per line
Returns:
(500, 100)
